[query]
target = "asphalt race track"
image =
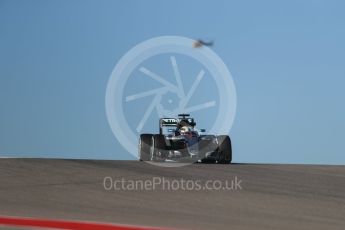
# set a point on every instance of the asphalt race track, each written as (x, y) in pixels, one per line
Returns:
(271, 196)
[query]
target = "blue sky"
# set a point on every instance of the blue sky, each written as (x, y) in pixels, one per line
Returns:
(287, 59)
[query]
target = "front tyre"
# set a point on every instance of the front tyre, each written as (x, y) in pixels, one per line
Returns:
(145, 143)
(159, 152)
(224, 149)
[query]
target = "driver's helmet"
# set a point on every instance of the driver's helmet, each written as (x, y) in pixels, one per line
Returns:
(184, 129)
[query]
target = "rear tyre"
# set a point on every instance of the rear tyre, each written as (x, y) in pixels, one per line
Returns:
(224, 149)
(158, 148)
(145, 143)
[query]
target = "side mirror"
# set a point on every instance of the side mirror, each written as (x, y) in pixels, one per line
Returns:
(202, 130)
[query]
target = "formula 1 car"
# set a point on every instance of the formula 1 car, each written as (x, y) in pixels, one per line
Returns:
(179, 141)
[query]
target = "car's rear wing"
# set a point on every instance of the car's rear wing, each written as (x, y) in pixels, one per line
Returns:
(173, 122)
(168, 122)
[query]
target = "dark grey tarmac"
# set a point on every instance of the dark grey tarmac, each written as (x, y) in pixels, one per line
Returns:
(271, 196)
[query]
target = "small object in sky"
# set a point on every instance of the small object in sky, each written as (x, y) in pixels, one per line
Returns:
(199, 43)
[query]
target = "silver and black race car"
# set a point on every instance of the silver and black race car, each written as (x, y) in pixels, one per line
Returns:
(179, 141)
